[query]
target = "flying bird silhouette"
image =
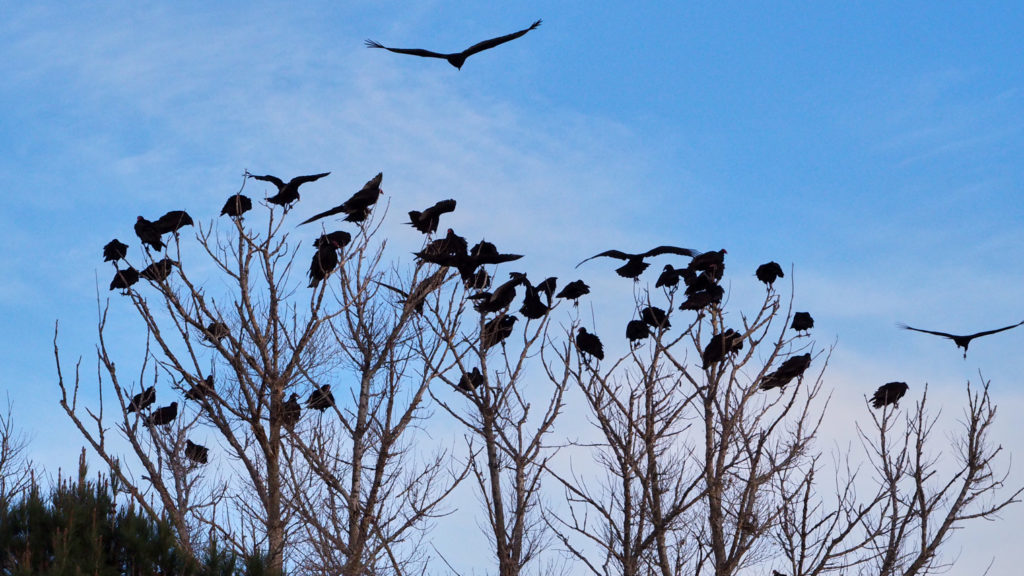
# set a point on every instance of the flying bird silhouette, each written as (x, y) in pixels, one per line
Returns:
(961, 341)
(456, 59)
(635, 264)
(287, 193)
(356, 208)
(427, 220)
(889, 394)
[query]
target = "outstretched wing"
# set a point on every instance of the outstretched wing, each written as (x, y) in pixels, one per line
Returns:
(987, 332)
(331, 212)
(905, 327)
(268, 178)
(412, 51)
(611, 253)
(670, 250)
(481, 46)
(303, 179)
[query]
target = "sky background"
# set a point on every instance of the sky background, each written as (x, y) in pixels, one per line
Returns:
(876, 149)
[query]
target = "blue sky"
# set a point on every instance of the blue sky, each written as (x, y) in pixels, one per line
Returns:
(875, 148)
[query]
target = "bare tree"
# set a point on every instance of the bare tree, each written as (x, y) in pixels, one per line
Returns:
(16, 470)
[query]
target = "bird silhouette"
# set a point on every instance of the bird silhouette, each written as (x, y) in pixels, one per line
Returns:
(889, 394)
(720, 346)
(961, 341)
(172, 222)
(670, 275)
(573, 290)
(769, 273)
(589, 344)
(142, 400)
(148, 233)
(655, 317)
(548, 287)
(502, 296)
(427, 220)
(802, 321)
(637, 330)
(321, 398)
(217, 331)
(712, 263)
(793, 367)
(124, 279)
(325, 259)
(200, 390)
(163, 416)
(469, 382)
(356, 208)
(236, 205)
(496, 330)
(456, 59)
(533, 308)
(340, 238)
(635, 264)
(290, 411)
(196, 453)
(114, 250)
(158, 271)
(287, 193)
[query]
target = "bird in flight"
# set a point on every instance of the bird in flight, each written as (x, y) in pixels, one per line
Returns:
(356, 208)
(635, 264)
(456, 59)
(287, 192)
(961, 341)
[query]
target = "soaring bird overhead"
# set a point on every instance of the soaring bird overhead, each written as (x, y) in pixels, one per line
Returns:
(635, 264)
(889, 394)
(456, 59)
(287, 193)
(356, 208)
(427, 220)
(961, 341)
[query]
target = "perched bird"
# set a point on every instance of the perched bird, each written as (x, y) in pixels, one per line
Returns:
(356, 208)
(196, 453)
(340, 238)
(496, 330)
(502, 296)
(200, 390)
(637, 330)
(701, 293)
(446, 251)
(427, 220)
(548, 286)
(589, 344)
(669, 277)
(325, 260)
(720, 346)
(635, 264)
(479, 280)
(163, 416)
(236, 206)
(484, 252)
(769, 273)
(286, 193)
(802, 321)
(148, 233)
(961, 341)
(655, 317)
(469, 382)
(573, 290)
(124, 279)
(290, 411)
(533, 308)
(142, 400)
(217, 331)
(793, 367)
(713, 263)
(321, 399)
(456, 59)
(889, 394)
(172, 222)
(158, 271)
(114, 250)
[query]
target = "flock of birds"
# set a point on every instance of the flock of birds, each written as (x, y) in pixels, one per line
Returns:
(700, 277)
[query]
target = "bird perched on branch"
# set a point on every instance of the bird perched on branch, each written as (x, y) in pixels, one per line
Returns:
(793, 367)
(427, 220)
(889, 394)
(356, 208)
(142, 400)
(635, 264)
(589, 344)
(496, 330)
(124, 279)
(236, 206)
(148, 233)
(325, 260)
(769, 273)
(720, 346)
(340, 238)
(456, 59)
(287, 193)
(200, 390)
(163, 416)
(471, 381)
(290, 411)
(712, 263)
(321, 398)
(196, 453)
(114, 250)
(573, 290)
(172, 222)
(961, 341)
(655, 317)
(158, 271)
(802, 321)
(637, 330)
(501, 297)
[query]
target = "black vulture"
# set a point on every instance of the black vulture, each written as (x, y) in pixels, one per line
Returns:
(200, 390)
(889, 393)
(445, 251)
(148, 233)
(356, 208)
(496, 330)
(802, 321)
(533, 308)
(325, 259)
(163, 416)
(548, 287)
(961, 341)
(479, 280)
(573, 290)
(700, 299)
(236, 206)
(470, 381)
(196, 453)
(114, 250)
(635, 264)
(158, 271)
(217, 331)
(142, 400)
(669, 277)
(427, 220)
(589, 344)
(713, 263)
(124, 279)
(484, 252)
(321, 398)
(720, 346)
(172, 222)
(287, 193)
(340, 238)
(291, 411)
(793, 367)
(502, 296)
(769, 273)
(637, 330)
(655, 317)
(456, 59)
